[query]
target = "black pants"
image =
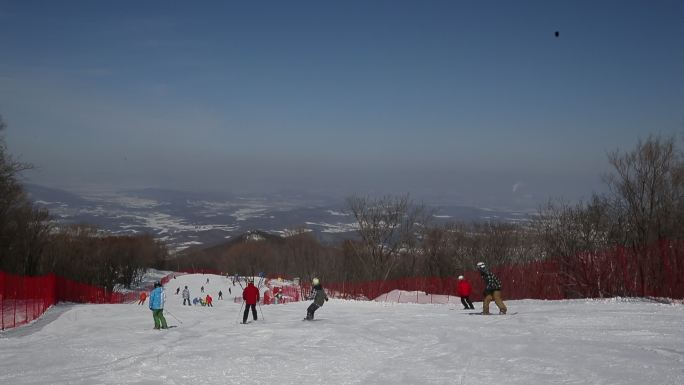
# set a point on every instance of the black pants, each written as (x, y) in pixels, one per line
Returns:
(187, 299)
(254, 313)
(311, 310)
(467, 303)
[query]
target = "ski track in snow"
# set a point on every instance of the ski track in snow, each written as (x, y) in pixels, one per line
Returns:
(354, 342)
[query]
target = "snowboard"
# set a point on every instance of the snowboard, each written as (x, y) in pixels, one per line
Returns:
(480, 313)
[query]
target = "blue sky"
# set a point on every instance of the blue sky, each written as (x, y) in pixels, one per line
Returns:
(473, 102)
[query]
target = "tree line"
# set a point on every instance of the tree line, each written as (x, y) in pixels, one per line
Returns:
(31, 243)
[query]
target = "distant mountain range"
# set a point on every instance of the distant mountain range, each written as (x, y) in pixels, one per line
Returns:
(184, 219)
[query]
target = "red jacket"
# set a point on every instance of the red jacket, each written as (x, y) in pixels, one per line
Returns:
(251, 294)
(463, 288)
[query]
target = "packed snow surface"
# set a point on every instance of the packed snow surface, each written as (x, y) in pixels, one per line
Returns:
(547, 342)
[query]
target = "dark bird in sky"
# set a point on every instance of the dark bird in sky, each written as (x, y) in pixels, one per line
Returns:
(557, 33)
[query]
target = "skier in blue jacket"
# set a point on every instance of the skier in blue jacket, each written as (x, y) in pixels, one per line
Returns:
(157, 299)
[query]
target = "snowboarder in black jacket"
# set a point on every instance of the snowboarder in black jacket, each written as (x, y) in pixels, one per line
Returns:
(318, 295)
(492, 289)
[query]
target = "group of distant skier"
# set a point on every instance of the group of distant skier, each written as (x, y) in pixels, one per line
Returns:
(251, 297)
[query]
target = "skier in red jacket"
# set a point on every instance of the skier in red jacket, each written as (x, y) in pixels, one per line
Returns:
(251, 296)
(463, 290)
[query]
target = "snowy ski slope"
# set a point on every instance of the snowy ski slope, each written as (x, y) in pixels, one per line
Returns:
(548, 342)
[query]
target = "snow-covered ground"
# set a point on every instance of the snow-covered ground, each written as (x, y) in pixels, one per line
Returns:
(547, 342)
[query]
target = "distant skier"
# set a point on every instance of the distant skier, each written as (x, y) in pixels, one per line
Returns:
(492, 289)
(220, 294)
(186, 296)
(157, 299)
(177, 290)
(318, 295)
(251, 296)
(143, 296)
(463, 290)
(208, 300)
(202, 289)
(230, 291)
(207, 281)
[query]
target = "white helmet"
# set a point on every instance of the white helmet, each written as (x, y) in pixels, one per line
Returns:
(460, 277)
(315, 281)
(480, 265)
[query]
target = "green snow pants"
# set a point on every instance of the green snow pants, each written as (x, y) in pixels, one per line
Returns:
(159, 320)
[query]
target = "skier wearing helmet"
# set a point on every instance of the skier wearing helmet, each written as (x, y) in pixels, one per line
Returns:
(492, 289)
(318, 295)
(157, 299)
(463, 290)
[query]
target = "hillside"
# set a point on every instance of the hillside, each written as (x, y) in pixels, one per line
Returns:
(186, 219)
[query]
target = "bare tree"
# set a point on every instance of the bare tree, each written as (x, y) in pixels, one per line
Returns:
(649, 186)
(388, 228)
(23, 227)
(566, 230)
(303, 254)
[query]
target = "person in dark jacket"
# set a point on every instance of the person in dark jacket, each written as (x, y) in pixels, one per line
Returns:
(492, 289)
(157, 299)
(318, 295)
(463, 289)
(251, 296)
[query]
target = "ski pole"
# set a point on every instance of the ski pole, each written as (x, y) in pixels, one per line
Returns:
(171, 314)
(239, 311)
(262, 312)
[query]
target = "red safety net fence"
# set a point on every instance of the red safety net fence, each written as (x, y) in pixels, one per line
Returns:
(654, 271)
(23, 299)
(281, 294)
(276, 292)
(531, 280)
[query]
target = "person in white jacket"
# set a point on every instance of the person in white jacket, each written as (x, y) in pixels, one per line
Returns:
(186, 296)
